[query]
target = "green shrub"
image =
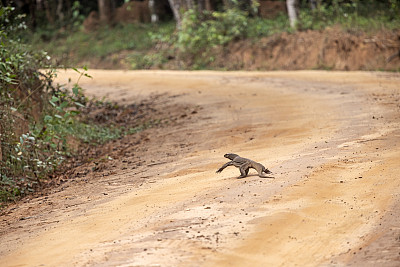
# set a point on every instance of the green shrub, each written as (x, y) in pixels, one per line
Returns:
(200, 33)
(260, 27)
(366, 15)
(23, 93)
(37, 118)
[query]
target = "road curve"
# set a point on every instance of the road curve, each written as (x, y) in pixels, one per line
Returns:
(330, 138)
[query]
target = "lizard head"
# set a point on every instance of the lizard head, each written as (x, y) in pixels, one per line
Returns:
(231, 156)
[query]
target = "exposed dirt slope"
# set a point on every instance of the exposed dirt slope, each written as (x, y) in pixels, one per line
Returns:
(329, 49)
(331, 140)
(332, 48)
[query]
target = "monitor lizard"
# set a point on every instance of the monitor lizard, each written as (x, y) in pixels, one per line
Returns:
(244, 165)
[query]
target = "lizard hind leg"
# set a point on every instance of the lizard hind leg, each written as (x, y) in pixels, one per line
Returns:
(244, 170)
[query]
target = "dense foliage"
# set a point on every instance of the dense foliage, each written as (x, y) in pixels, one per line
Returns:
(37, 118)
(200, 33)
(22, 97)
(365, 15)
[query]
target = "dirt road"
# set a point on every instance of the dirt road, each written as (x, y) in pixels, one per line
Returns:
(330, 138)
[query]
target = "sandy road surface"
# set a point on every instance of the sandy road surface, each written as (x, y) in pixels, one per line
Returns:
(331, 139)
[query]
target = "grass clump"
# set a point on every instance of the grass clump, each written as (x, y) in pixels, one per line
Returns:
(79, 46)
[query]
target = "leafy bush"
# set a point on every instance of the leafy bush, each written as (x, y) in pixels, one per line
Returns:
(37, 119)
(364, 15)
(200, 33)
(260, 27)
(22, 98)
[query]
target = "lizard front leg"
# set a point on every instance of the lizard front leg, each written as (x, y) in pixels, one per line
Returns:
(224, 166)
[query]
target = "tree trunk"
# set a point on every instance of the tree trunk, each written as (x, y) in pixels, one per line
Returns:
(291, 7)
(104, 11)
(208, 5)
(313, 4)
(49, 11)
(203, 5)
(153, 12)
(175, 6)
(32, 12)
(59, 10)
